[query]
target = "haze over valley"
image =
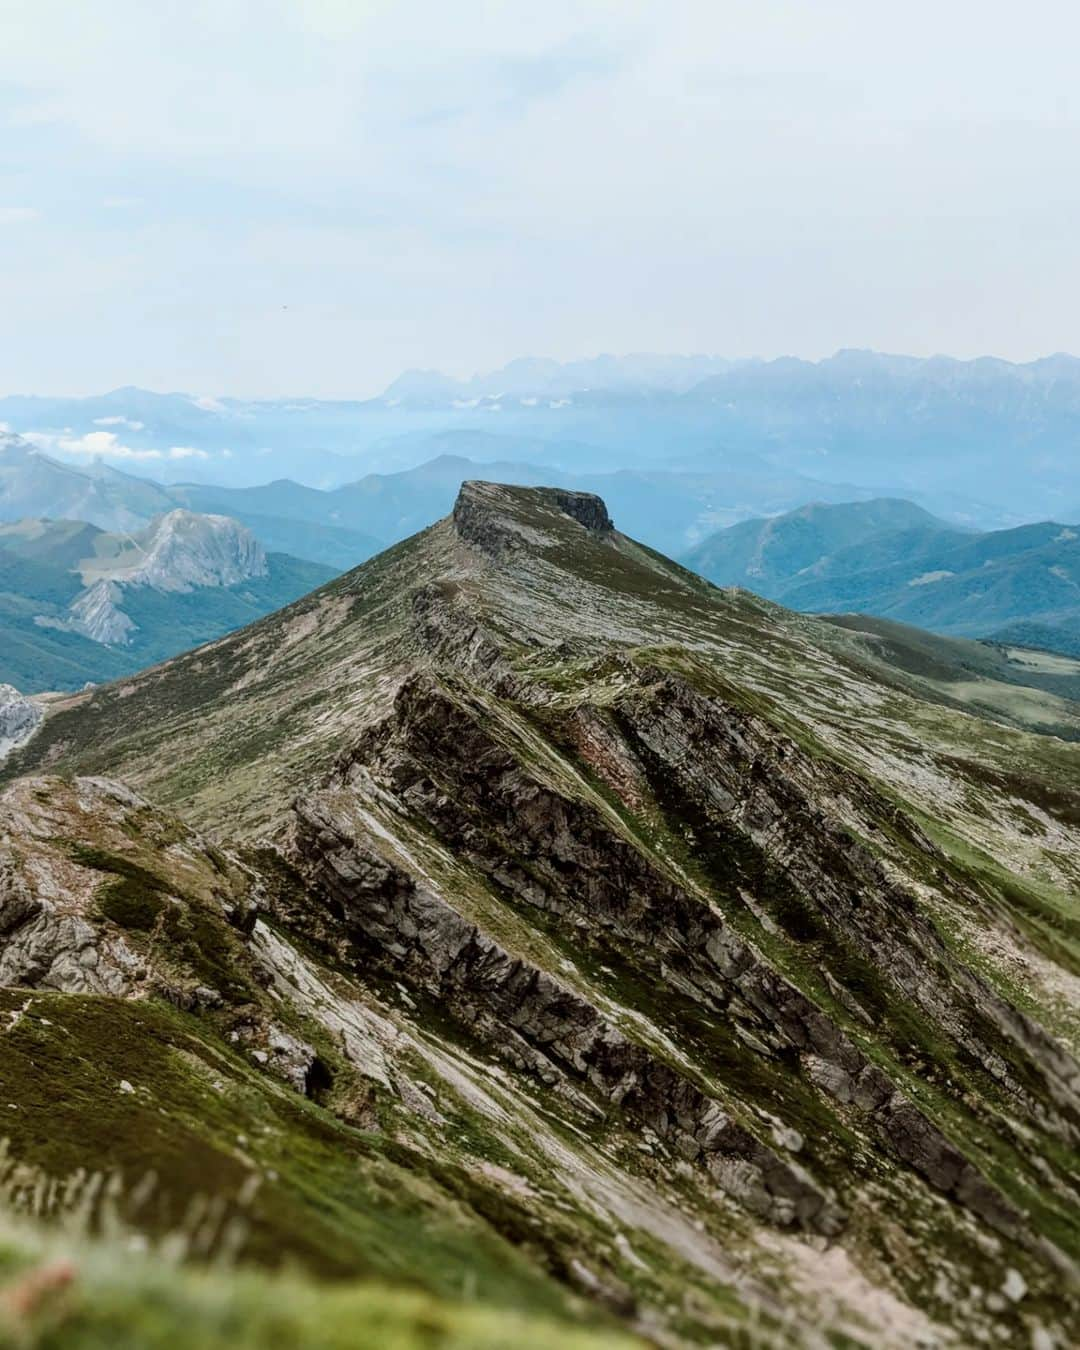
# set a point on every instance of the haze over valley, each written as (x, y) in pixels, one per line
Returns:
(687, 452)
(987, 439)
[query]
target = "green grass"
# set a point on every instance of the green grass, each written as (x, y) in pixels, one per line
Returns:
(338, 1201)
(97, 1296)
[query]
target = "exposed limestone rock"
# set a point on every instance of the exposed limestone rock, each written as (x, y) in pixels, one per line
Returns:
(96, 614)
(441, 763)
(17, 904)
(284, 1055)
(184, 550)
(56, 951)
(731, 768)
(480, 520)
(180, 551)
(584, 507)
(19, 718)
(551, 1029)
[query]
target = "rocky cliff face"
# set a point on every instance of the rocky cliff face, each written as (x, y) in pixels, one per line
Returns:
(19, 718)
(182, 551)
(96, 614)
(631, 938)
(179, 552)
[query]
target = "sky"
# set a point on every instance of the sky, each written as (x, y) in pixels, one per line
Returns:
(306, 197)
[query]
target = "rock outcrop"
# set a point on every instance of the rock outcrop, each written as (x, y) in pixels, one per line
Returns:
(540, 1025)
(19, 718)
(184, 551)
(437, 760)
(177, 553)
(96, 614)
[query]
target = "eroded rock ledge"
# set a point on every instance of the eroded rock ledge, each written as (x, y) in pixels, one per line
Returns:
(492, 517)
(436, 764)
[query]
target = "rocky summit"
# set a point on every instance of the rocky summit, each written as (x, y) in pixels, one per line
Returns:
(521, 918)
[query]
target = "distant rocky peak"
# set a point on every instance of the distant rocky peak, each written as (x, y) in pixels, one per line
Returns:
(178, 552)
(183, 550)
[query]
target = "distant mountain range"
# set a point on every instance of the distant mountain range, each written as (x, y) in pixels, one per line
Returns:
(79, 604)
(636, 374)
(35, 484)
(669, 510)
(892, 559)
(343, 526)
(986, 442)
(849, 551)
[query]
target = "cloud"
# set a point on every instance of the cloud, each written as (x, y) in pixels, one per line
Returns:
(119, 422)
(94, 443)
(207, 404)
(107, 445)
(16, 215)
(375, 185)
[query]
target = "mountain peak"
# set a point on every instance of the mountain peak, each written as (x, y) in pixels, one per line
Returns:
(493, 515)
(182, 550)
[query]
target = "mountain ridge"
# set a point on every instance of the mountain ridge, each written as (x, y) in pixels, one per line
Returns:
(717, 933)
(993, 437)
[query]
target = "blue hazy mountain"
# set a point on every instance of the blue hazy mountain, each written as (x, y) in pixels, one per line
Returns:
(990, 440)
(342, 526)
(668, 510)
(894, 560)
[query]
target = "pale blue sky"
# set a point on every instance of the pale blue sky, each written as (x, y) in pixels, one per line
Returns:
(264, 197)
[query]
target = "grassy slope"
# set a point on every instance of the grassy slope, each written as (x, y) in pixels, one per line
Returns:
(1040, 692)
(116, 1301)
(949, 581)
(153, 1124)
(765, 554)
(204, 1122)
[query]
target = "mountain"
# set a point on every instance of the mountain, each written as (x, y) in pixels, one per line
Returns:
(33, 484)
(640, 373)
(669, 507)
(80, 604)
(996, 434)
(334, 546)
(175, 436)
(765, 554)
(893, 560)
(668, 510)
(524, 919)
(989, 442)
